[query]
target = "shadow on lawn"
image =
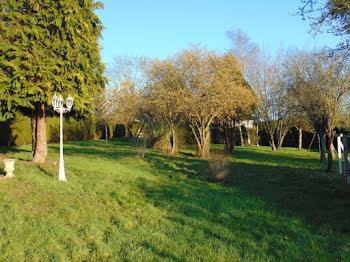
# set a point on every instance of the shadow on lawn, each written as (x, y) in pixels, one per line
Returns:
(189, 166)
(239, 219)
(114, 149)
(290, 183)
(318, 198)
(12, 149)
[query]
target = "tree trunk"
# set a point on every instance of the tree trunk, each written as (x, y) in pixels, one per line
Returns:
(230, 137)
(226, 130)
(106, 130)
(202, 136)
(33, 127)
(272, 142)
(300, 143)
(139, 129)
(323, 148)
(280, 141)
(312, 140)
(248, 135)
(332, 149)
(40, 136)
(173, 150)
(257, 134)
(330, 152)
(273, 146)
(204, 145)
(129, 128)
(241, 135)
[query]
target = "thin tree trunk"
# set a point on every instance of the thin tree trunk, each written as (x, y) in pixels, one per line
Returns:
(139, 129)
(106, 130)
(300, 140)
(248, 136)
(232, 140)
(323, 148)
(272, 142)
(280, 141)
(312, 140)
(332, 149)
(257, 134)
(172, 142)
(40, 137)
(129, 128)
(241, 135)
(330, 152)
(33, 127)
(226, 138)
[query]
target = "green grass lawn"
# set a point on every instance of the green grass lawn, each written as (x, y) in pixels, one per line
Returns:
(118, 207)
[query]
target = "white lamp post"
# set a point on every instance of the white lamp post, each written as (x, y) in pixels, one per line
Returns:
(57, 103)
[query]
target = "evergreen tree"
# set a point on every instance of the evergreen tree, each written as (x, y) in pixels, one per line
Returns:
(48, 46)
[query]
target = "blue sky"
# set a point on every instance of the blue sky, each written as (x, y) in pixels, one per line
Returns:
(160, 28)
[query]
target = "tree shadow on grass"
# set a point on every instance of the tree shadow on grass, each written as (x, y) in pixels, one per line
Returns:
(12, 149)
(161, 253)
(113, 150)
(191, 167)
(236, 218)
(318, 198)
(239, 215)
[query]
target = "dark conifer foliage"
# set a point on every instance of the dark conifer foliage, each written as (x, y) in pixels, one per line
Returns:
(48, 46)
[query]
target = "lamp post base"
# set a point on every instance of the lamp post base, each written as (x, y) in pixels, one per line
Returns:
(61, 173)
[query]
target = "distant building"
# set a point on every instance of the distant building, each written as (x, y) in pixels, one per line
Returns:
(246, 123)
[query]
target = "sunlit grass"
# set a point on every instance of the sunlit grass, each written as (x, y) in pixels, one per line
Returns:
(119, 207)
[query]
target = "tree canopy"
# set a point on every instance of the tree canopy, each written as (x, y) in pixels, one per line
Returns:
(332, 16)
(48, 46)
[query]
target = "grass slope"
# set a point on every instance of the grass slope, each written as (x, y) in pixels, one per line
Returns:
(117, 207)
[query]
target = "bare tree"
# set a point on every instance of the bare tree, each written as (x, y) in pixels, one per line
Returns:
(212, 84)
(322, 84)
(246, 52)
(244, 49)
(165, 95)
(332, 16)
(273, 104)
(104, 109)
(128, 81)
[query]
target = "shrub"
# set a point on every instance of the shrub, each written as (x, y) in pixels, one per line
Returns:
(160, 140)
(138, 147)
(154, 134)
(219, 167)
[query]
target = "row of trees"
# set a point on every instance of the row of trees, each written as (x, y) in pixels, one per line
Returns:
(200, 88)
(197, 87)
(296, 88)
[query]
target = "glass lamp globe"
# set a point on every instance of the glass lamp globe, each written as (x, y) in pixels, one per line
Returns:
(55, 101)
(69, 102)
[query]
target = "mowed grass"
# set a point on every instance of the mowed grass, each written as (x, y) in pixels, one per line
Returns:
(118, 207)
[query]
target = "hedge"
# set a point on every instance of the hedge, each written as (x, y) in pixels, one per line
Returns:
(18, 130)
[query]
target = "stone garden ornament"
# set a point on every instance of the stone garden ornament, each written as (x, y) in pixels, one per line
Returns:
(9, 167)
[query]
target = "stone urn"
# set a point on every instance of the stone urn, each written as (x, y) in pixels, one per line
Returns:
(9, 167)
